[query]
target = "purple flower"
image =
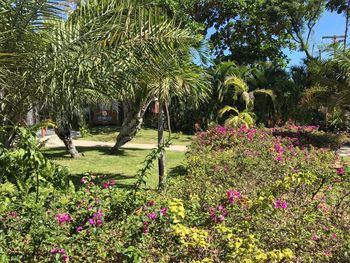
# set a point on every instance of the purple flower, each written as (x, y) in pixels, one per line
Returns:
(98, 214)
(79, 229)
(279, 158)
(83, 180)
(232, 195)
(217, 214)
(163, 211)
(280, 204)
(152, 216)
(151, 203)
(65, 258)
(315, 238)
(340, 171)
(278, 148)
(92, 221)
(12, 214)
(54, 250)
(61, 251)
(221, 130)
(63, 218)
(145, 227)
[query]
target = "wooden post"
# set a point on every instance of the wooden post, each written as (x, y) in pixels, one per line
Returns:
(161, 160)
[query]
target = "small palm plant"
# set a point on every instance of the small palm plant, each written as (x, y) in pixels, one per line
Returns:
(245, 99)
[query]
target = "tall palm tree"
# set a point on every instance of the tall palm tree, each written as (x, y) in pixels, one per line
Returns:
(102, 47)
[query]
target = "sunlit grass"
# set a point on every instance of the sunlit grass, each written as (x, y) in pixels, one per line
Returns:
(144, 136)
(122, 167)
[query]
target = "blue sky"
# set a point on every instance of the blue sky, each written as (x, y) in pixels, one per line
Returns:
(330, 24)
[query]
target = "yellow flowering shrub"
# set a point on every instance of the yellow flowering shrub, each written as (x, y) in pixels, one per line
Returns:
(177, 210)
(191, 237)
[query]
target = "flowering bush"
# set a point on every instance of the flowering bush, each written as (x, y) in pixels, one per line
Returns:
(310, 135)
(248, 197)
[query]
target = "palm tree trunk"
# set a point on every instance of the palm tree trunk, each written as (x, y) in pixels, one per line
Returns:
(131, 124)
(65, 135)
(161, 159)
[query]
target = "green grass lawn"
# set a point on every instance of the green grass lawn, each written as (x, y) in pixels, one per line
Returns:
(146, 136)
(122, 167)
(346, 159)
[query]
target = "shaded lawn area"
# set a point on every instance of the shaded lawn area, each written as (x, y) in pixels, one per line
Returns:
(146, 136)
(121, 167)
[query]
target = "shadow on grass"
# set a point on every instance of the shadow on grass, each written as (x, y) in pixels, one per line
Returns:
(103, 177)
(177, 171)
(61, 152)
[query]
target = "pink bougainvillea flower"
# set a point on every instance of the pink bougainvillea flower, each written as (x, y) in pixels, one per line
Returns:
(217, 214)
(65, 258)
(151, 203)
(278, 148)
(152, 216)
(232, 195)
(340, 170)
(61, 251)
(99, 213)
(279, 158)
(280, 204)
(12, 215)
(163, 211)
(145, 227)
(221, 130)
(54, 251)
(315, 238)
(63, 218)
(327, 253)
(92, 221)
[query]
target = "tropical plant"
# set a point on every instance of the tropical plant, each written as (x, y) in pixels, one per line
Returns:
(244, 101)
(22, 26)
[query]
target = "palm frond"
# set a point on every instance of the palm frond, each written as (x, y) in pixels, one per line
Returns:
(227, 109)
(239, 84)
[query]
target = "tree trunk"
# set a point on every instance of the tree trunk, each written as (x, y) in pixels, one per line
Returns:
(131, 124)
(161, 160)
(65, 135)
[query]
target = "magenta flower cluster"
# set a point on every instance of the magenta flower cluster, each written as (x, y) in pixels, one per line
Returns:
(96, 220)
(218, 214)
(153, 216)
(280, 204)
(63, 218)
(108, 184)
(232, 195)
(61, 251)
(340, 171)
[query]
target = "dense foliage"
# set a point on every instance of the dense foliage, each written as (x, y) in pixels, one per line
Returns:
(247, 197)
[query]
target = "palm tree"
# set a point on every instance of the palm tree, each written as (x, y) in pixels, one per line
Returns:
(244, 101)
(101, 48)
(22, 25)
